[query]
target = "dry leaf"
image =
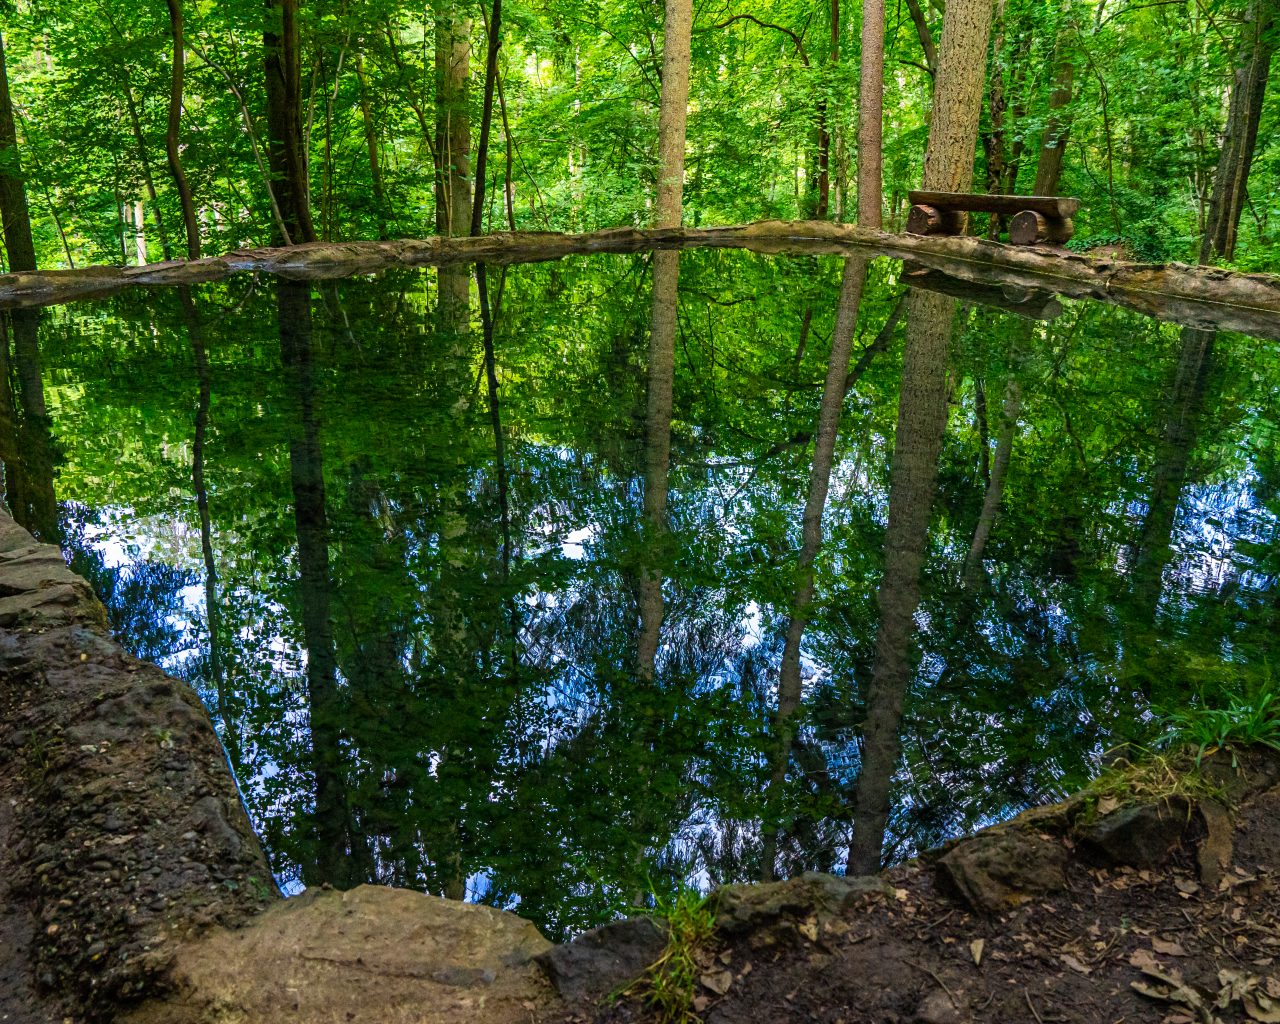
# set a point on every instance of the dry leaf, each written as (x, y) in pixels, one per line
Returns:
(717, 981)
(1261, 1008)
(1107, 804)
(809, 929)
(900, 895)
(1144, 961)
(1168, 947)
(1186, 886)
(1075, 964)
(700, 1004)
(975, 950)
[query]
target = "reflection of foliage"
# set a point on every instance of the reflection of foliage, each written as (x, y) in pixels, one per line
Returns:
(490, 730)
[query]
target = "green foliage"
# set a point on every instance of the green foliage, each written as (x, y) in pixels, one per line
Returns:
(1229, 719)
(668, 984)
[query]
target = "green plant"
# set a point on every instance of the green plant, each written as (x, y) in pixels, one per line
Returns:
(1151, 775)
(1250, 718)
(668, 984)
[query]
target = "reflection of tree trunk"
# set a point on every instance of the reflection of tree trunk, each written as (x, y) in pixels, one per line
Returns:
(1248, 89)
(212, 603)
(922, 418)
(833, 393)
(657, 461)
(995, 481)
(333, 862)
(38, 506)
(1183, 406)
(15, 217)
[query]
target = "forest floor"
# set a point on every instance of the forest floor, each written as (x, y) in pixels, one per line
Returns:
(1155, 913)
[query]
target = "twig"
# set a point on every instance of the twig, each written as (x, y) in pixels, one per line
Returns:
(950, 995)
(1032, 1007)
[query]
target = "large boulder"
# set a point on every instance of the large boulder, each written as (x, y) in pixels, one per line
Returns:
(390, 956)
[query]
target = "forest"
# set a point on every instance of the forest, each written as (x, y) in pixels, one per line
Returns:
(172, 130)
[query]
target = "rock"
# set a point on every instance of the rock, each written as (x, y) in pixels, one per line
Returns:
(603, 959)
(743, 908)
(938, 1008)
(996, 870)
(373, 953)
(1142, 836)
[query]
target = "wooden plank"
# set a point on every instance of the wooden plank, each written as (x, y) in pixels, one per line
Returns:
(1048, 206)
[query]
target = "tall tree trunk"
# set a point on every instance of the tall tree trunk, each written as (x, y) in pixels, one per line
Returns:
(171, 140)
(282, 47)
(453, 122)
(871, 117)
(14, 213)
(922, 418)
(676, 47)
(833, 393)
(1057, 128)
(995, 485)
(486, 116)
(334, 844)
(1248, 89)
(371, 143)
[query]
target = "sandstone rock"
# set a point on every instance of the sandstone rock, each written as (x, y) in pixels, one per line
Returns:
(372, 954)
(996, 870)
(1142, 836)
(743, 908)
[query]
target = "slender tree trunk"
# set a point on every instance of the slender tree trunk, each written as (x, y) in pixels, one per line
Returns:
(14, 212)
(1057, 128)
(486, 116)
(922, 418)
(833, 393)
(144, 163)
(334, 845)
(172, 144)
(453, 121)
(371, 143)
(286, 156)
(36, 453)
(1248, 89)
(925, 36)
(676, 47)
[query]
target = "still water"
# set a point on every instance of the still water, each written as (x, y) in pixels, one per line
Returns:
(404, 544)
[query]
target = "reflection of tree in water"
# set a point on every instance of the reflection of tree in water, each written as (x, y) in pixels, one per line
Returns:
(488, 726)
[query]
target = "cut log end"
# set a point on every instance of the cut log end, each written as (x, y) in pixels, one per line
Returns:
(929, 220)
(1030, 227)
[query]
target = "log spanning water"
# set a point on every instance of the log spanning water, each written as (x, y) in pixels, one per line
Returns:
(1202, 297)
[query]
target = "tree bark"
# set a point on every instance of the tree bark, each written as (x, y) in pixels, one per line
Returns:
(285, 153)
(994, 493)
(1058, 127)
(453, 122)
(871, 117)
(171, 139)
(957, 96)
(1248, 89)
(14, 212)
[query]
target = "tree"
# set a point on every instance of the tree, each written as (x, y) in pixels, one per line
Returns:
(453, 121)
(922, 418)
(172, 146)
(13, 194)
(282, 47)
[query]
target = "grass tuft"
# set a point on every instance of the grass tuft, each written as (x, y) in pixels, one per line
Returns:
(668, 984)
(1239, 718)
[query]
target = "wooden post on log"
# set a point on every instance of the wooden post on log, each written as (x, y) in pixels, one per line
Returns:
(1029, 227)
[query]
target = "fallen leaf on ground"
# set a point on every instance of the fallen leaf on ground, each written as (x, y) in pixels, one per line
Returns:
(1075, 964)
(975, 950)
(1168, 947)
(717, 981)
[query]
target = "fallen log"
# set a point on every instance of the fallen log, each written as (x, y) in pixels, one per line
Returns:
(1202, 297)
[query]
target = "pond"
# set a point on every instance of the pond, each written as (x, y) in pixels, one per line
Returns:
(406, 541)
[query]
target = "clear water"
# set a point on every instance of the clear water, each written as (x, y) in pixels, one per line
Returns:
(413, 612)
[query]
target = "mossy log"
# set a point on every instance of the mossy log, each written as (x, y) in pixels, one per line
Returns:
(1202, 297)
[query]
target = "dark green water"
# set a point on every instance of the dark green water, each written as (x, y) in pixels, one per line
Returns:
(413, 610)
